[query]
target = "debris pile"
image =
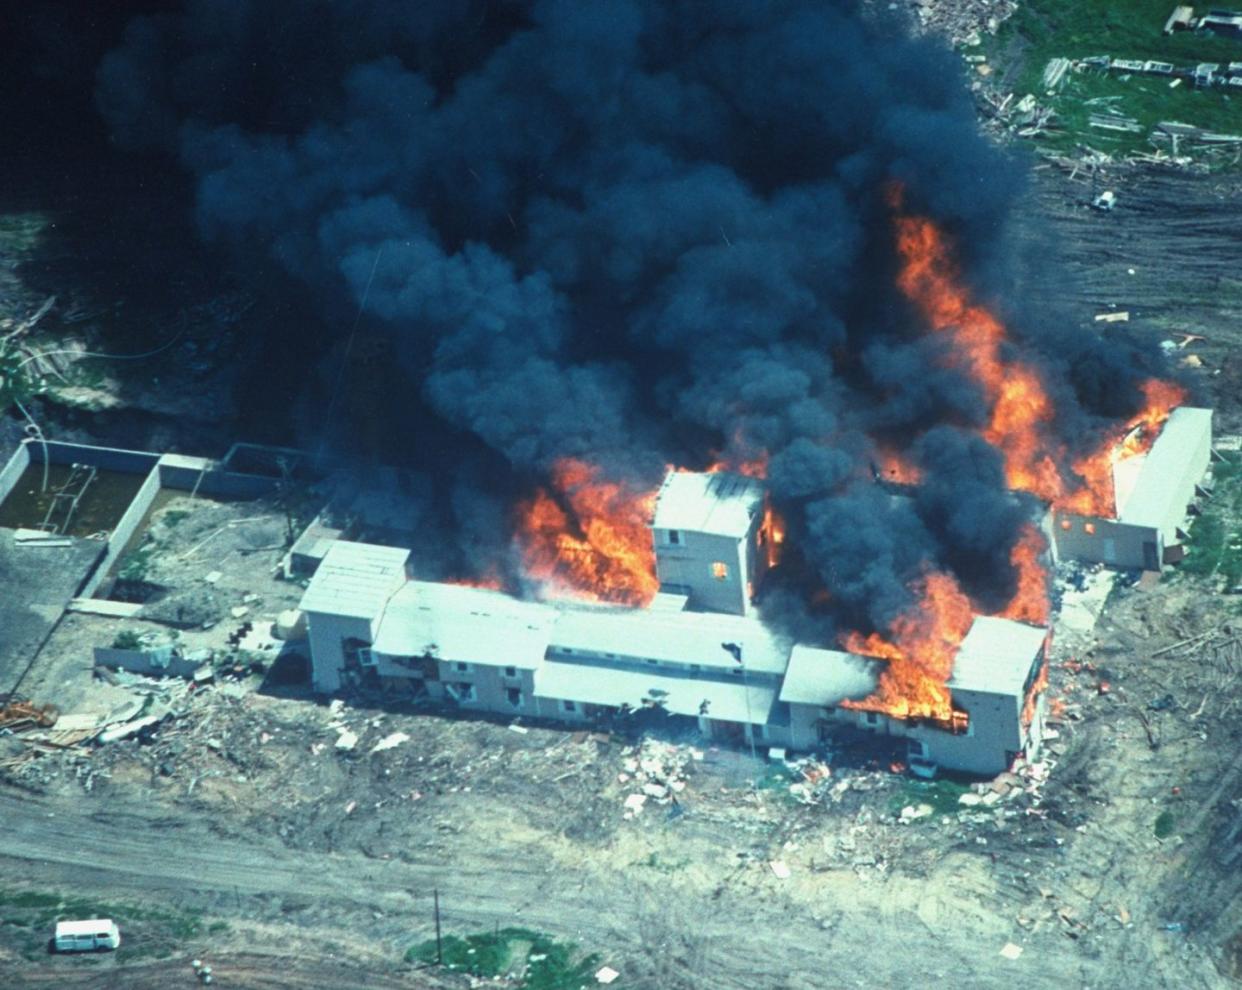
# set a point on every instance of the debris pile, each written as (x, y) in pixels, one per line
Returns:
(655, 771)
(963, 21)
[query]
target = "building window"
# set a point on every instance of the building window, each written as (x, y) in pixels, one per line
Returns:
(569, 706)
(696, 668)
(1090, 528)
(673, 537)
(514, 696)
(1066, 525)
(510, 672)
(759, 731)
(720, 570)
(871, 718)
(463, 668)
(654, 663)
(461, 691)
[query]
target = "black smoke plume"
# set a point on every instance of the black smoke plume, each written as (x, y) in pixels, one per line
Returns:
(634, 232)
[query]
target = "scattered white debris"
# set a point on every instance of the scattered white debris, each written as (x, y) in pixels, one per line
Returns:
(390, 742)
(606, 975)
(912, 813)
(781, 869)
(519, 729)
(213, 576)
(346, 740)
(1011, 951)
(239, 611)
(634, 805)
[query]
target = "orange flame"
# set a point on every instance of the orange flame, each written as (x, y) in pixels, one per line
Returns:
(893, 466)
(1096, 497)
(1030, 601)
(920, 654)
(1032, 696)
(1020, 406)
(772, 535)
(591, 539)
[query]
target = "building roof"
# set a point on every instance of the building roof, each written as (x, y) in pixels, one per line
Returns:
(673, 637)
(471, 625)
(355, 580)
(1157, 491)
(720, 503)
(597, 685)
(828, 677)
(996, 656)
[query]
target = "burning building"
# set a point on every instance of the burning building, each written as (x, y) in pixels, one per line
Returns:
(696, 652)
(996, 688)
(1153, 493)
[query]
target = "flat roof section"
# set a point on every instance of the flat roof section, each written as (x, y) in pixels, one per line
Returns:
(672, 637)
(594, 685)
(467, 625)
(721, 503)
(828, 677)
(996, 656)
(1168, 462)
(355, 580)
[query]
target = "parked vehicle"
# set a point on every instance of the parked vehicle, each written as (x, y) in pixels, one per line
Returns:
(86, 936)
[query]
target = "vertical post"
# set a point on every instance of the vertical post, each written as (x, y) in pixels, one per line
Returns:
(750, 719)
(439, 945)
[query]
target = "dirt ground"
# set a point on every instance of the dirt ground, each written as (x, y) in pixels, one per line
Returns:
(239, 831)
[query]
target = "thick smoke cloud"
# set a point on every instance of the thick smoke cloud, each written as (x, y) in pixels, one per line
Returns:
(629, 232)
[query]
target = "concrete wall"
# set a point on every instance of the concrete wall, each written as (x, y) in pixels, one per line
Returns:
(123, 532)
(688, 565)
(1114, 544)
(14, 469)
(203, 476)
(108, 458)
(145, 662)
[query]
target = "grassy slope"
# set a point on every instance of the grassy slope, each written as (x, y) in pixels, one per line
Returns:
(1044, 29)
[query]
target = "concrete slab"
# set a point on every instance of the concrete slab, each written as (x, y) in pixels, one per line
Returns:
(36, 585)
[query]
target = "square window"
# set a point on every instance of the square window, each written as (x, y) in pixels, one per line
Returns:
(720, 570)
(674, 537)
(569, 706)
(654, 663)
(1090, 528)
(463, 668)
(510, 672)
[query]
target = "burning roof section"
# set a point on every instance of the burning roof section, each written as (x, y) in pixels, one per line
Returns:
(828, 677)
(996, 656)
(1155, 491)
(719, 503)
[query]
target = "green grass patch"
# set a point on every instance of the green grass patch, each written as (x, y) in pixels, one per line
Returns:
(942, 794)
(1041, 30)
(134, 565)
(1164, 825)
(534, 960)
(41, 910)
(663, 864)
(1214, 547)
(21, 233)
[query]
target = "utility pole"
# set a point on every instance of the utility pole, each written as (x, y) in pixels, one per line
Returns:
(439, 946)
(735, 650)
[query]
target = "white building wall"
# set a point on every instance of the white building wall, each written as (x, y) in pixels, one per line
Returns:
(327, 635)
(689, 566)
(993, 739)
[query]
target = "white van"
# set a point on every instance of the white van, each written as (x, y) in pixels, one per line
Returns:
(87, 936)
